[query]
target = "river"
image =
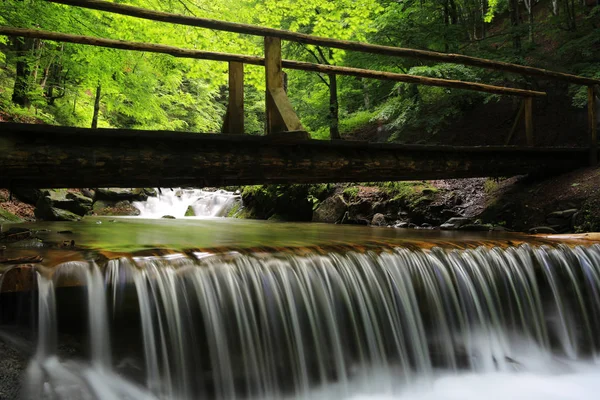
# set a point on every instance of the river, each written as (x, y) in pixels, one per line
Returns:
(135, 308)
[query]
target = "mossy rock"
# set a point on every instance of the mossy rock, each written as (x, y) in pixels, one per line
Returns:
(6, 216)
(588, 218)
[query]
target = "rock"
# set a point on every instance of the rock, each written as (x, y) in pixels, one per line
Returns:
(88, 193)
(117, 208)
(455, 223)
(27, 194)
(402, 225)
(412, 226)
(117, 194)
(77, 204)
(332, 210)
(542, 229)
(44, 210)
(426, 226)
(378, 220)
(190, 212)
(81, 198)
(6, 216)
(168, 217)
(476, 227)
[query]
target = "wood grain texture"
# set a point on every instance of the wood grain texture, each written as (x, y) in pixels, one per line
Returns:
(61, 157)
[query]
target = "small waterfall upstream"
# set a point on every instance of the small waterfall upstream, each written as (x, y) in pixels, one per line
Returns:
(179, 203)
(394, 323)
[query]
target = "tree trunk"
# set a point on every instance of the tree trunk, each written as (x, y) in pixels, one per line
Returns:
(20, 94)
(513, 8)
(367, 99)
(96, 107)
(334, 128)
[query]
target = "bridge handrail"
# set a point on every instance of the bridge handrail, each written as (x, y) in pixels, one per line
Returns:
(254, 60)
(323, 41)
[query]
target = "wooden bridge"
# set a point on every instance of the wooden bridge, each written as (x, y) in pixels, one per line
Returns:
(49, 156)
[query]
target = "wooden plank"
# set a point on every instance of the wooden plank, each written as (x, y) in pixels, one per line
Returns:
(297, 65)
(61, 157)
(281, 116)
(515, 123)
(528, 102)
(322, 41)
(593, 126)
(234, 119)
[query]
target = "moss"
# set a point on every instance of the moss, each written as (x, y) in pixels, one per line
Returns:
(588, 219)
(290, 202)
(351, 192)
(234, 212)
(5, 216)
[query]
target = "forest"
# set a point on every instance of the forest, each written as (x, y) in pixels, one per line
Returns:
(76, 85)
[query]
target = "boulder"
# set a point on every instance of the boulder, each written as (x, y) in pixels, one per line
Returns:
(6, 216)
(45, 211)
(332, 210)
(542, 229)
(168, 217)
(402, 225)
(477, 227)
(118, 194)
(116, 208)
(27, 194)
(455, 223)
(61, 199)
(378, 220)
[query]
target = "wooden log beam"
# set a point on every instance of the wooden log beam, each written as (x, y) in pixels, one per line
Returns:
(322, 41)
(234, 118)
(593, 126)
(281, 116)
(62, 157)
(290, 64)
(515, 123)
(528, 104)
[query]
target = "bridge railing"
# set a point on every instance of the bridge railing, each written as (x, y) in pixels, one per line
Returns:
(280, 114)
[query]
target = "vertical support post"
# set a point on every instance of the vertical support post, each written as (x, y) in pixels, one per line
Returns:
(593, 126)
(234, 119)
(529, 120)
(280, 114)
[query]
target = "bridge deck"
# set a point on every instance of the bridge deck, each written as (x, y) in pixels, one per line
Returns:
(62, 157)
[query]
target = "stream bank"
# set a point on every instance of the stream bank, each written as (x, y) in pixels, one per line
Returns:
(566, 203)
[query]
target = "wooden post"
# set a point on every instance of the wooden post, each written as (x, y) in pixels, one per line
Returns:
(528, 101)
(234, 118)
(280, 114)
(593, 126)
(514, 125)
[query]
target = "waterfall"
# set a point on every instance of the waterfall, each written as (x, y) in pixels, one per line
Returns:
(181, 203)
(394, 323)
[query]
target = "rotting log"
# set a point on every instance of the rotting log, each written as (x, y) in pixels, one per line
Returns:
(322, 41)
(253, 60)
(62, 157)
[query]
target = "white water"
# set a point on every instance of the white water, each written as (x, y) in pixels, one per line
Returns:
(457, 325)
(176, 202)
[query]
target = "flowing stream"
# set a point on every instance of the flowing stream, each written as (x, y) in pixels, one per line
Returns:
(387, 322)
(178, 203)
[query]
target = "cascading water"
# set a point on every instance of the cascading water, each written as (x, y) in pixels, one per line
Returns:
(459, 324)
(181, 203)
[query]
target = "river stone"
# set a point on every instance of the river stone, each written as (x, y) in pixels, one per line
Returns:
(378, 220)
(476, 227)
(402, 225)
(6, 216)
(81, 198)
(542, 229)
(455, 223)
(59, 199)
(45, 211)
(116, 194)
(168, 217)
(27, 194)
(117, 208)
(332, 210)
